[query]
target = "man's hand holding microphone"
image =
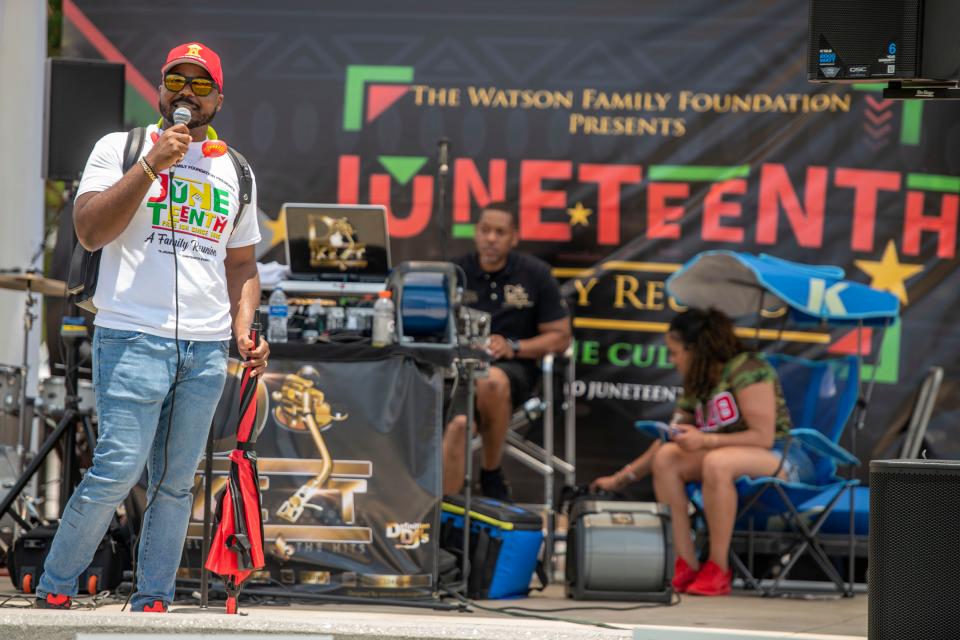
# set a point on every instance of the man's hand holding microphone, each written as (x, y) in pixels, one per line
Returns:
(172, 144)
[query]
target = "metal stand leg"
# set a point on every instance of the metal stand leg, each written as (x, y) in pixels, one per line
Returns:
(468, 478)
(207, 518)
(28, 318)
(66, 426)
(548, 414)
(570, 421)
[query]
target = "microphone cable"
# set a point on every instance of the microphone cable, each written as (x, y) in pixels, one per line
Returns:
(176, 378)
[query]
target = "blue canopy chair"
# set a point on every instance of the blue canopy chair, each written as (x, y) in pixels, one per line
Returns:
(821, 395)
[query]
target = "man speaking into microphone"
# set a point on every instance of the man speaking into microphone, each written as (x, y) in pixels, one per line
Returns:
(177, 274)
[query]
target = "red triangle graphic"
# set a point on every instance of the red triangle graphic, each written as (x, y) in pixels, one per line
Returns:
(381, 96)
(847, 344)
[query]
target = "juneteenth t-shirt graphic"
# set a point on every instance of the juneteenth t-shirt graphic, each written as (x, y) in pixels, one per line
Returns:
(135, 290)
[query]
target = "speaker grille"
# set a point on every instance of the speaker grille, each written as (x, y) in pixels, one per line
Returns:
(860, 32)
(84, 103)
(914, 570)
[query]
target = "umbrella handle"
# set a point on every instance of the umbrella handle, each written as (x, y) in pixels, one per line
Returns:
(256, 328)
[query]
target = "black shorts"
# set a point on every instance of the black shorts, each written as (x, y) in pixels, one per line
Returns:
(520, 373)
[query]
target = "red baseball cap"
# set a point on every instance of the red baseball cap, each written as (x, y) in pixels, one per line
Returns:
(198, 54)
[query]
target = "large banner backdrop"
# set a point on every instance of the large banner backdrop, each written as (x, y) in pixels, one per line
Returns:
(629, 135)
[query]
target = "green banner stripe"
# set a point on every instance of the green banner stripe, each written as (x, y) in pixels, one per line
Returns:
(927, 182)
(136, 111)
(910, 122)
(463, 230)
(402, 168)
(693, 173)
(358, 76)
(869, 86)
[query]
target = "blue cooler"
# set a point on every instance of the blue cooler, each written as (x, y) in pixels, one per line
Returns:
(505, 543)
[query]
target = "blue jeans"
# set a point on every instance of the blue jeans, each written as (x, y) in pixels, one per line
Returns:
(133, 375)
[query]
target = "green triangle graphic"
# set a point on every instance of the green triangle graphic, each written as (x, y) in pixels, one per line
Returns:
(402, 168)
(888, 371)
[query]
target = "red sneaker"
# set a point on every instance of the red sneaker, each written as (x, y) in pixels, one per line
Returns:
(683, 575)
(54, 601)
(711, 581)
(158, 606)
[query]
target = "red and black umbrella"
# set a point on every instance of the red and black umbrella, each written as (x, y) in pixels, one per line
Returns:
(237, 547)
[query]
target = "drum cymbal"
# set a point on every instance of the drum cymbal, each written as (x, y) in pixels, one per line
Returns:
(35, 282)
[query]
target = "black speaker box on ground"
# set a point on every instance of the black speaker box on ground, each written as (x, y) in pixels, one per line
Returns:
(914, 571)
(84, 102)
(111, 559)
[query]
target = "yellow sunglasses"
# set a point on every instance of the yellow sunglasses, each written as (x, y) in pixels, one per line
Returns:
(200, 86)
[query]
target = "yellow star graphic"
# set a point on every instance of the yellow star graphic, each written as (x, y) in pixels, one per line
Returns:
(579, 215)
(277, 228)
(889, 274)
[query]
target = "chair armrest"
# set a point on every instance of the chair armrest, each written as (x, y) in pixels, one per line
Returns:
(653, 428)
(553, 361)
(546, 362)
(816, 442)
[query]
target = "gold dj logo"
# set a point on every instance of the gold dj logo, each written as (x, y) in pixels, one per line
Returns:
(333, 243)
(409, 535)
(303, 407)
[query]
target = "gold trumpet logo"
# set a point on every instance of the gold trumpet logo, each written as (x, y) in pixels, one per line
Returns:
(303, 407)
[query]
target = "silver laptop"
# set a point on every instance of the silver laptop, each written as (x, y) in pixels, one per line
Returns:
(336, 243)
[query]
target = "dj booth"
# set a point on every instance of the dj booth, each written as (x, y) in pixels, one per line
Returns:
(349, 456)
(349, 435)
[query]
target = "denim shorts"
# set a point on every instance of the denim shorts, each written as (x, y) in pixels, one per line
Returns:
(797, 466)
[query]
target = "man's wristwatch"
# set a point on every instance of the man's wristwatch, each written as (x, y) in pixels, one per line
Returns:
(515, 346)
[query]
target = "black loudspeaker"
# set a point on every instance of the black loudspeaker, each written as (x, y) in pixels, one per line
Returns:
(84, 102)
(914, 570)
(883, 40)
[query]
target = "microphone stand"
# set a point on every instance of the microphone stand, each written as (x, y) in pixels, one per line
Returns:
(443, 170)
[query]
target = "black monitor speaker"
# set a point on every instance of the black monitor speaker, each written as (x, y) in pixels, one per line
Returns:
(884, 40)
(914, 569)
(84, 102)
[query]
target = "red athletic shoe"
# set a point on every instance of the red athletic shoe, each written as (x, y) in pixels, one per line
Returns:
(683, 575)
(711, 581)
(54, 601)
(158, 606)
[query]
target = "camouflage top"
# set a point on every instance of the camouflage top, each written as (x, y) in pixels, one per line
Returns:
(722, 415)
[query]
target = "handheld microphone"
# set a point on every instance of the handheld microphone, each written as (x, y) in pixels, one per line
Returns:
(444, 152)
(182, 115)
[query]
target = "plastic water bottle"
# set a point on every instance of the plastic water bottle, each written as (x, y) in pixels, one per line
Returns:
(384, 320)
(277, 330)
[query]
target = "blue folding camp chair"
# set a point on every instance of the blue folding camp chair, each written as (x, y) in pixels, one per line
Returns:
(821, 396)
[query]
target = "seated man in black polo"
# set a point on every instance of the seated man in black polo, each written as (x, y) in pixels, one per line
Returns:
(529, 320)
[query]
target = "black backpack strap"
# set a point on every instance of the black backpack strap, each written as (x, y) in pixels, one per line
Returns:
(131, 151)
(244, 179)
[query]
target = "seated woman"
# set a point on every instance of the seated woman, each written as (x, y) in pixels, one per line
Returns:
(730, 421)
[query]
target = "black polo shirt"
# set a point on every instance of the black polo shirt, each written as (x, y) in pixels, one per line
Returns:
(519, 297)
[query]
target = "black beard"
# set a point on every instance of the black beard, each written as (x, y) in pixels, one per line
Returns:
(196, 120)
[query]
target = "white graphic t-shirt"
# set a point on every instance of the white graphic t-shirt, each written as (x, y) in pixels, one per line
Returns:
(135, 288)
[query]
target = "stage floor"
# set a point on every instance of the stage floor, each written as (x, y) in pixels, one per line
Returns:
(737, 616)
